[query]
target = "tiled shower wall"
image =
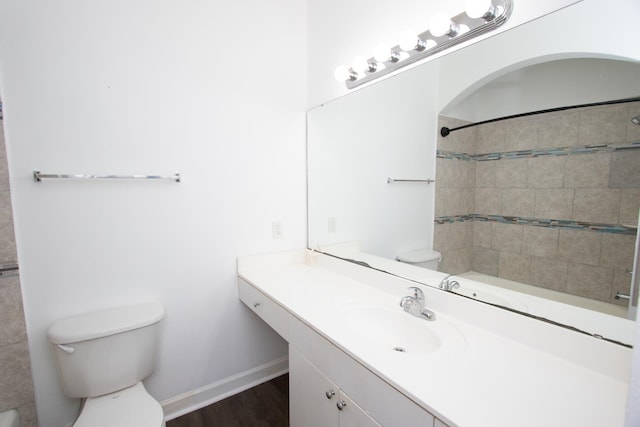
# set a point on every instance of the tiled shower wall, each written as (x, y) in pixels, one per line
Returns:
(16, 389)
(569, 173)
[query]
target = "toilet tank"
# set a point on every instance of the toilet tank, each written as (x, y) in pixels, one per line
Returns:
(106, 351)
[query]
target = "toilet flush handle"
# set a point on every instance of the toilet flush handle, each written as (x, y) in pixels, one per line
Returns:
(66, 348)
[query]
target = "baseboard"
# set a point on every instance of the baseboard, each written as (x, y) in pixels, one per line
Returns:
(204, 396)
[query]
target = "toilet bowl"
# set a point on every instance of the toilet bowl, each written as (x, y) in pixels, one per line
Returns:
(425, 258)
(103, 357)
(131, 407)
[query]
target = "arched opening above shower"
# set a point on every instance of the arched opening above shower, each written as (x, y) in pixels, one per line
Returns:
(551, 199)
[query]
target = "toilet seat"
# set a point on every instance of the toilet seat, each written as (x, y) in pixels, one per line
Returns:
(419, 255)
(131, 407)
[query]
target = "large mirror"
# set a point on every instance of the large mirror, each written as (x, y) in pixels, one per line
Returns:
(536, 214)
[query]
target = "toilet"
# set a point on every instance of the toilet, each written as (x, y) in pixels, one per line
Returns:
(425, 258)
(103, 357)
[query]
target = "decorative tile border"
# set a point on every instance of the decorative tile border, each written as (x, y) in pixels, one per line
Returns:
(454, 218)
(523, 154)
(451, 155)
(539, 222)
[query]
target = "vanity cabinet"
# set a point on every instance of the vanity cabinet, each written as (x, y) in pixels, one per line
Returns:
(317, 366)
(267, 309)
(382, 402)
(315, 401)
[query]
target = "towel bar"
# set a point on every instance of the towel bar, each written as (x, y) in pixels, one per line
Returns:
(392, 180)
(39, 176)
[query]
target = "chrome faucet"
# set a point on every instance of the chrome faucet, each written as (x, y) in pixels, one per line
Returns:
(414, 305)
(620, 296)
(448, 285)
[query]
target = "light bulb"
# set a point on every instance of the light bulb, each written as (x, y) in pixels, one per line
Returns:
(382, 52)
(440, 24)
(360, 64)
(342, 73)
(408, 40)
(477, 8)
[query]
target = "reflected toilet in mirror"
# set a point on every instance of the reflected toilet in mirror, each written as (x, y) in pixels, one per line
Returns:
(425, 258)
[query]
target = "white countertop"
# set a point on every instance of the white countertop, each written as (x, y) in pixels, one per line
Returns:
(500, 369)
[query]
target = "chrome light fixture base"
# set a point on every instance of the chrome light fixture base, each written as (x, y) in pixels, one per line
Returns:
(497, 15)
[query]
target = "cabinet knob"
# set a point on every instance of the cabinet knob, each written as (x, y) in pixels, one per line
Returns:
(330, 394)
(256, 305)
(341, 405)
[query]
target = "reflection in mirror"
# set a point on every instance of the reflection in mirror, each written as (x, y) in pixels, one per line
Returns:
(355, 144)
(544, 204)
(534, 214)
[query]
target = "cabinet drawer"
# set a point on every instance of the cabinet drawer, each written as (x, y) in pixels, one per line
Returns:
(269, 311)
(385, 404)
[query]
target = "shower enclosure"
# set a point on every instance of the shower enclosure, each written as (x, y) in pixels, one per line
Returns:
(550, 200)
(15, 371)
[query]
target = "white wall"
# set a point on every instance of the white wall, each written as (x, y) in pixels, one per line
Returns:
(556, 83)
(153, 87)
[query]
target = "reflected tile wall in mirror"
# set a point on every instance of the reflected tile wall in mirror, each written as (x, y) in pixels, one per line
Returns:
(576, 175)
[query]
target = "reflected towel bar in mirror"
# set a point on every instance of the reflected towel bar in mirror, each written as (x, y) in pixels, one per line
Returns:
(8, 270)
(39, 176)
(392, 180)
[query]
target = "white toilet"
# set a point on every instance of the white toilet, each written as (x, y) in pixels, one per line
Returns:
(425, 258)
(102, 357)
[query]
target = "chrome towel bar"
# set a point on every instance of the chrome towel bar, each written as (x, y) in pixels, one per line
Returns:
(392, 180)
(39, 176)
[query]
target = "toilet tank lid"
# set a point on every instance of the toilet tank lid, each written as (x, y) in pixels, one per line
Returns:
(104, 323)
(420, 255)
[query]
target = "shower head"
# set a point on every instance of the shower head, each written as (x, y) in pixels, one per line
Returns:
(635, 120)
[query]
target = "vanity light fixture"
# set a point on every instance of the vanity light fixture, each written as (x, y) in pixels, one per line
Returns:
(481, 9)
(441, 24)
(480, 16)
(383, 53)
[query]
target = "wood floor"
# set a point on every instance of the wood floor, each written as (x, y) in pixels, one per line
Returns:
(266, 405)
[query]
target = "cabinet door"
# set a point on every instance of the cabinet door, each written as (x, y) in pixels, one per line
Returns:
(382, 402)
(315, 401)
(351, 415)
(312, 397)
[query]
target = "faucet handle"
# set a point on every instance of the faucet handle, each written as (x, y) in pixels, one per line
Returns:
(417, 293)
(444, 283)
(406, 302)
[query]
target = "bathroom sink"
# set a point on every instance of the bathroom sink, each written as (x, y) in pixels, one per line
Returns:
(389, 329)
